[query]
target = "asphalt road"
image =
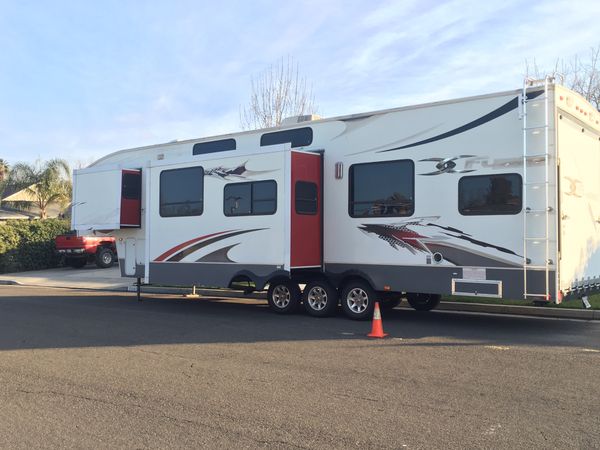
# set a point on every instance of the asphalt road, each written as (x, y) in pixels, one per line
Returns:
(94, 369)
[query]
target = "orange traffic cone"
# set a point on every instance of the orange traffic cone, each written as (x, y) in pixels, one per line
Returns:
(377, 329)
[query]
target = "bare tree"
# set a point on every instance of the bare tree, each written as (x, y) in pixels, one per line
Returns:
(277, 92)
(580, 75)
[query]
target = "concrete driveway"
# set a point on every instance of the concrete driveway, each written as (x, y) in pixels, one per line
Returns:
(88, 277)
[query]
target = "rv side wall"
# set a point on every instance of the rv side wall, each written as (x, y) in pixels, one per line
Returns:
(579, 153)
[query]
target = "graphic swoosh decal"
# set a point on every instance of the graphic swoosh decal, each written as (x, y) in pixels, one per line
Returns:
(169, 252)
(506, 108)
(188, 251)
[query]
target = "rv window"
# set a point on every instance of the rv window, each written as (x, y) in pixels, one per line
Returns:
(182, 192)
(245, 199)
(214, 146)
(299, 137)
(306, 198)
(132, 186)
(382, 189)
(490, 194)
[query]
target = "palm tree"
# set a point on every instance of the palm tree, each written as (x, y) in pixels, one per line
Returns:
(44, 183)
(3, 177)
(3, 170)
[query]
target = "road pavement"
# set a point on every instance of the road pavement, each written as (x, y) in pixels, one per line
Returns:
(98, 369)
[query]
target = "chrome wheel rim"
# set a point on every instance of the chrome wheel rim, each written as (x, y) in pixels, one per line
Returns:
(317, 298)
(106, 258)
(281, 296)
(357, 300)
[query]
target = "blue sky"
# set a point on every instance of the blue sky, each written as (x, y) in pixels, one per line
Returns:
(81, 79)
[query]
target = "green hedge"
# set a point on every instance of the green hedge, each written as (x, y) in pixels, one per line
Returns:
(29, 244)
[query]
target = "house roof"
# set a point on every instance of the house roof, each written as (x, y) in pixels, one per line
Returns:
(21, 196)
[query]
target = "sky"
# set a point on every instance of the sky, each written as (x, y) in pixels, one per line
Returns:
(81, 79)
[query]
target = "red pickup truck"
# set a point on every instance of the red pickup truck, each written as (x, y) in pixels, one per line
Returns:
(79, 250)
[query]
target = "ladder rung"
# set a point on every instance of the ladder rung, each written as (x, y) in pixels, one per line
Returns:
(536, 239)
(528, 210)
(536, 99)
(526, 294)
(539, 155)
(541, 127)
(538, 183)
(529, 266)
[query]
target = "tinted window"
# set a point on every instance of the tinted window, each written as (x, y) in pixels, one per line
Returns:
(182, 192)
(132, 186)
(490, 194)
(382, 189)
(214, 146)
(306, 198)
(244, 199)
(300, 137)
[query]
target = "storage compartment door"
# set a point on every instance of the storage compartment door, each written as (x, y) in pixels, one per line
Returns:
(306, 210)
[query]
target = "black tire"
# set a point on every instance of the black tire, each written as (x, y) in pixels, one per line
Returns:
(424, 302)
(76, 263)
(283, 296)
(358, 300)
(387, 303)
(104, 257)
(320, 299)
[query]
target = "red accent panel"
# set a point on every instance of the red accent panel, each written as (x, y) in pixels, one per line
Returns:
(306, 230)
(131, 213)
(185, 244)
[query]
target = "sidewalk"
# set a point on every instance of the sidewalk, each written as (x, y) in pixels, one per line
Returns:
(91, 277)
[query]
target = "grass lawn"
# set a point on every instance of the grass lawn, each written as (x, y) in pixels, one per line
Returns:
(572, 304)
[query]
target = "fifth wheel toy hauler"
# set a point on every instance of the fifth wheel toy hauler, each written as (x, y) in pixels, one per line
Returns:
(495, 196)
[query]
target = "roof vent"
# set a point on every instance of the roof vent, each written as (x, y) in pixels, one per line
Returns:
(299, 119)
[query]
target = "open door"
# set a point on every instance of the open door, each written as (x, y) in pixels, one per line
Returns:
(307, 210)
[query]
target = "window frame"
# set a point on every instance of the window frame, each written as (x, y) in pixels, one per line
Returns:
(160, 194)
(304, 213)
(295, 133)
(251, 183)
(126, 193)
(222, 145)
(351, 189)
(461, 210)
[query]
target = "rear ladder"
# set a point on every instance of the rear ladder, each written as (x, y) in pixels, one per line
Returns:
(536, 177)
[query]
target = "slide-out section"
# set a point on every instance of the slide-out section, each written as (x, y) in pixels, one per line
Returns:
(307, 210)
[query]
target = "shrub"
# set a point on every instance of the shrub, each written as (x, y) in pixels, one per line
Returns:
(29, 244)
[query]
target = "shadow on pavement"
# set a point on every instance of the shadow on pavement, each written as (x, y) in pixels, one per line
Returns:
(51, 318)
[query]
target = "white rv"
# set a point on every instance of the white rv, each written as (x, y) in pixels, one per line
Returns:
(496, 195)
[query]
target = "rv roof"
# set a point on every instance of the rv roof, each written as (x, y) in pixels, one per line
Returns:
(303, 124)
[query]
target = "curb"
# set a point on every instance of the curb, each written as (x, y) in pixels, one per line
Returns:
(535, 311)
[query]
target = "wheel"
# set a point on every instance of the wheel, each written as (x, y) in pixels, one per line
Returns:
(358, 300)
(283, 296)
(320, 299)
(388, 303)
(76, 263)
(423, 302)
(104, 257)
